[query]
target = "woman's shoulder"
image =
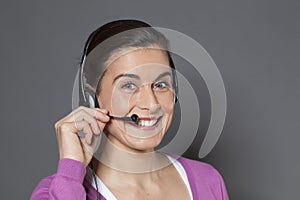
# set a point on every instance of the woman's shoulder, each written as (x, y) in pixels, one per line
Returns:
(200, 170)
(195, 164)
(204, 179)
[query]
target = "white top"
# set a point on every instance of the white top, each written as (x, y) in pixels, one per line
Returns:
(107, 194)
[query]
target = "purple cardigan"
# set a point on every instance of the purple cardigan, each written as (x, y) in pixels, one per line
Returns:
(68, 182)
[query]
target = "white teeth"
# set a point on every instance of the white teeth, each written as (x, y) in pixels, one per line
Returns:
(147, 122)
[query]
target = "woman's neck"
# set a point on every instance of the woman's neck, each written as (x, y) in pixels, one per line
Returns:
(116, 163)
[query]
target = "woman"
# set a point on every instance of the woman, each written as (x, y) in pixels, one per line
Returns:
(126, 66)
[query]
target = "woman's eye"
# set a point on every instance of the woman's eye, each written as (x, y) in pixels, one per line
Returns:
(128, 86)
(161, 85)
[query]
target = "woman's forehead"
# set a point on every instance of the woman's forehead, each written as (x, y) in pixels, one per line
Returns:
(140, 61)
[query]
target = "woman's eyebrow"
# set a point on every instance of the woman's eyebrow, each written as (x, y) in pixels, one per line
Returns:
(127, 75)
(162, 75)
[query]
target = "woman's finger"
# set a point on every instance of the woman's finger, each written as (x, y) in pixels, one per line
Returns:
(99, 114)
(85, 127)
(84, 116)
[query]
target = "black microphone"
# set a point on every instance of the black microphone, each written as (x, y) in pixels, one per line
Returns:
(133, 118)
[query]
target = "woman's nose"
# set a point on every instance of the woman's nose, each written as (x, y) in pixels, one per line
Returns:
(147, 99)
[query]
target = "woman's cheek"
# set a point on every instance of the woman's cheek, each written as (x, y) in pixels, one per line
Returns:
(120, 104)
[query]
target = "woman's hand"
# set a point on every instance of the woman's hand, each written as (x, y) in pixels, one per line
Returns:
(91, 121)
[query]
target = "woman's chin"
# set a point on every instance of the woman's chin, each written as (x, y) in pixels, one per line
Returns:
(137, 144)
(146, 144)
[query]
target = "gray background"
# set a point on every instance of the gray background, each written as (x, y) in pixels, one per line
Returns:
(255, 44)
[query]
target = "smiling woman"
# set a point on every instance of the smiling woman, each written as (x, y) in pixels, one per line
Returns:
(127, 94)
(142, 86)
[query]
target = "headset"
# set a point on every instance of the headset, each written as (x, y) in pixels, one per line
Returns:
(87, 98)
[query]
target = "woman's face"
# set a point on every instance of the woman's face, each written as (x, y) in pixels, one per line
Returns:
(138, 82)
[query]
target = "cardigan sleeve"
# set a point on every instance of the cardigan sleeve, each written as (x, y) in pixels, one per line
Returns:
(65, 184)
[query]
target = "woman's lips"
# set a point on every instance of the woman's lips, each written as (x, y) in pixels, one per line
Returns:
(147, 123)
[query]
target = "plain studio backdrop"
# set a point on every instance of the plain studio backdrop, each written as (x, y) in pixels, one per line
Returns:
(254, 43)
